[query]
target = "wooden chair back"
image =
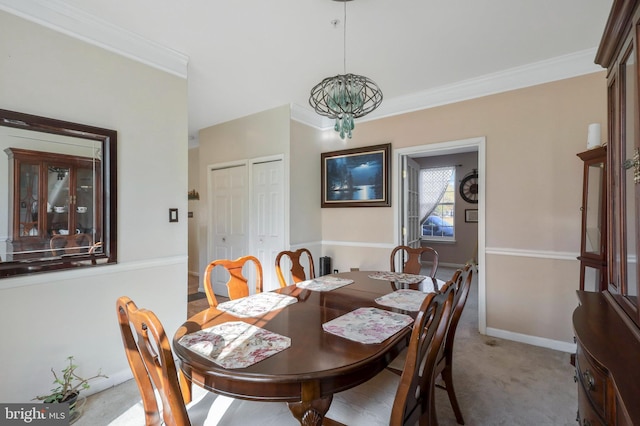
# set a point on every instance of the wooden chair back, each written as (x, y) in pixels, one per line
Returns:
(414, 256)
(460, 284)
(237, 284)
(70, 244)
(414, 401)
(151, 361)
(297, 270)
(96, 248)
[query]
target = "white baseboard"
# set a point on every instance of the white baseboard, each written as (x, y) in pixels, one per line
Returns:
(532, 340)
(114, 380)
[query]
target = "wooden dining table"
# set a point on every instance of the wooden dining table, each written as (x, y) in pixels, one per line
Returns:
(317, 364)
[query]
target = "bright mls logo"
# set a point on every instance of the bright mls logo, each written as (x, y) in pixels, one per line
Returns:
(34, 414)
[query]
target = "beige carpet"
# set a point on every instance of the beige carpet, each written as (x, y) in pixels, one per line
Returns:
(498, 382)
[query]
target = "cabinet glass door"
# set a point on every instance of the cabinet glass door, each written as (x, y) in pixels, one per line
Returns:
(28, 208)
(85, 202)
(593, 248)
(623, 282)
(628, 188)
(593, 209)
(58, 195)
(615, 232)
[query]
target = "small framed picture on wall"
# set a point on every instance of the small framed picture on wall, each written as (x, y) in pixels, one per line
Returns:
(471, 215)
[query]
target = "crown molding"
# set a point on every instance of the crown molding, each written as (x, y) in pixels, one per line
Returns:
(309, 117)
(558, 68)
(69, 20)
(73, 22)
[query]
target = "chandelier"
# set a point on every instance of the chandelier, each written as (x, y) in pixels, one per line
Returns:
(345, 97)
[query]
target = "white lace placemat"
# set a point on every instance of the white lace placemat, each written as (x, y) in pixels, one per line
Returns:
(235, 344)
(256, 304)
(398, 277)
(367, 325)
(324, 283)
(405, 299)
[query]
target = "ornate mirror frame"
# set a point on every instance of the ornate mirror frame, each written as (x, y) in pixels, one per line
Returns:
(103, 251)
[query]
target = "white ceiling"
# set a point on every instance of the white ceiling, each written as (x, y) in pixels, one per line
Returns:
(248, 56)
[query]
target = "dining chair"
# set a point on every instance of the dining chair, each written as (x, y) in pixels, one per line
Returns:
(397, 364)
(413, 262)
(96, 248)
(70, 244)
(297, 270)
(460, 284)
(237, 283)
(151, 360)
(406, 399)
(415, 401)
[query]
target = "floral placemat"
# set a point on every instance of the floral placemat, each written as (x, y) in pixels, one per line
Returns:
(325, 283)
(256, 304)
(367, 325)
(235, 344)
(405, 299)
(398, 277)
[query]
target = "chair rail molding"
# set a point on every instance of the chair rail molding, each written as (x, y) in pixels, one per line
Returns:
(541, 254)
(70, 274)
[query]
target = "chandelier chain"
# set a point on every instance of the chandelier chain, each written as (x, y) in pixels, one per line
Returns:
(344, 40)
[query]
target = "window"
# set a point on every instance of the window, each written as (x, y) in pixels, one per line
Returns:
(437, 203)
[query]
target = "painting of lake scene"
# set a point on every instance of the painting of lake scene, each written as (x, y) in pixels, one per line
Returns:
(356, 177)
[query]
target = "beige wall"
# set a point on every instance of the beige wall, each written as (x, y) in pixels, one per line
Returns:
(47, 317)
(273, 134)
(192, 223)
(259, 135)
(533, 197)
(304, 210)
(533, 193)
(533, 184)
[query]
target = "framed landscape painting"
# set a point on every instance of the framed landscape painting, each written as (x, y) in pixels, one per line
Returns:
(358, 177)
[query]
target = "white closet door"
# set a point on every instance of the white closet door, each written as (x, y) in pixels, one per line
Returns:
(267, 217)
(228, 236)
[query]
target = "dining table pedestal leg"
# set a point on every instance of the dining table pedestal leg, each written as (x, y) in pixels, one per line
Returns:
(311, 413)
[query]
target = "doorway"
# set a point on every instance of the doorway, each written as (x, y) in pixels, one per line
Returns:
(439, 149)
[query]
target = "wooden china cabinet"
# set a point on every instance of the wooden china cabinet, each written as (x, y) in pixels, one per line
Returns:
(607, 322)
(49, 194)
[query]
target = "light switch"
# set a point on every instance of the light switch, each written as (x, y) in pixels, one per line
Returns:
(173, 215)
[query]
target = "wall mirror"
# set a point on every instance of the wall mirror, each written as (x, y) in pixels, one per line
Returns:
(58, 192)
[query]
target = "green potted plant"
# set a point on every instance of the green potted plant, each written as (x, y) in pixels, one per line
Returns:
(69, 385)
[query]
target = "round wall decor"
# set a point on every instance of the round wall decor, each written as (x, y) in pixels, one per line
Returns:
(469, 187)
